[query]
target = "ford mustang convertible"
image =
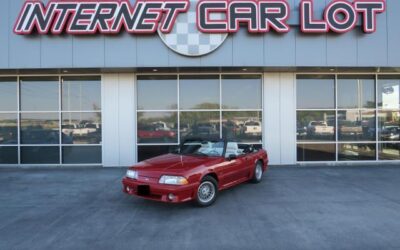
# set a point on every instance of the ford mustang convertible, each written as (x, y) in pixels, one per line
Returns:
(197, 172)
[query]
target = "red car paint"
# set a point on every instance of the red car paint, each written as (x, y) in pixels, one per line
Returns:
(227, 172)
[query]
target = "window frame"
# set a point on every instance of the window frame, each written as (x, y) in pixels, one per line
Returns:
(59, 112)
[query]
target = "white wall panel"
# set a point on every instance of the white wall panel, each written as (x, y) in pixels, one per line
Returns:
(279, 118)
(288, 118)
(127, 124)
(118, 119)
(271, 117)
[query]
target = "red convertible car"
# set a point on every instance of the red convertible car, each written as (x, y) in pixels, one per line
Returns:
(198, 172)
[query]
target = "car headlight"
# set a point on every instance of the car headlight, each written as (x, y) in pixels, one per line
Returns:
(173, 180)
(133, 174)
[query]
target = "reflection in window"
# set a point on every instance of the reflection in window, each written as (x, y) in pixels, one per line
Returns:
(356, 125)
(389, 151)
(39, 128)
(157, 92)
(199, 92)
(241, 92)
(389, 92)
(81, 154)
(199, 124)
(81, 93)
(39, 94)
(316, 92)
(201, 99)
(356, 92)
(157, 127)
(242, 126)
(81, 128)
(8, 94)
(389, 125)
(357, 152)
(8, 128)
(316, 152)
(147, 152)
(8, 155)
(40, 155)
(316, 126)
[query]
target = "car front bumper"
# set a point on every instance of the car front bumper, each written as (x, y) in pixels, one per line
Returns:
(159, 192)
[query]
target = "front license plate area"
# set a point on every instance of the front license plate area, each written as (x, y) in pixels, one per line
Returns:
(143, 190)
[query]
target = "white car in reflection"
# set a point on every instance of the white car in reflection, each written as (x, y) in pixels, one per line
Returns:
(320, 128)
(252, 128)
(80, 130)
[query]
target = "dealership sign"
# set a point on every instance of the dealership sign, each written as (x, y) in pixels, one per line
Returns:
(191, 27)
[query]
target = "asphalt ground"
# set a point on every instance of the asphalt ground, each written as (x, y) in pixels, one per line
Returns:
(352, 207)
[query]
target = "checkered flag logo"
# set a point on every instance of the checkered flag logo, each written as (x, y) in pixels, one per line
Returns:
(187, 40)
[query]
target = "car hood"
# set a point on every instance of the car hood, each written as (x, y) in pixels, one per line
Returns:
(173, 164)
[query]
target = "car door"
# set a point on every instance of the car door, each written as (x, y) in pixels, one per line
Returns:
(246, 166)
(230, 171)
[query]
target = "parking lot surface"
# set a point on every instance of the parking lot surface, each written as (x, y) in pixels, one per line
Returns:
(352, 207)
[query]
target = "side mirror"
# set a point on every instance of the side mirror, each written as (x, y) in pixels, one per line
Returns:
(232, 157)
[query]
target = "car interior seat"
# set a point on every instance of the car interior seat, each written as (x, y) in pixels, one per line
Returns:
(232, 148)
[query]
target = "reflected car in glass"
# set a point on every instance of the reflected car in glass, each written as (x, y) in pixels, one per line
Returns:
(390, 133)
(320, 128)
(197, 172)
(152, 132)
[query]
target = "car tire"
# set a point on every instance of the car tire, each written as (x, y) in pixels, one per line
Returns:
(257, 173)
(207, 192)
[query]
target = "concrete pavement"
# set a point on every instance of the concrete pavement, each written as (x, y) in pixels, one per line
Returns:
(293, 208)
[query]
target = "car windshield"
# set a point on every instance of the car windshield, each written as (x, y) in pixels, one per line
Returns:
(202, 148)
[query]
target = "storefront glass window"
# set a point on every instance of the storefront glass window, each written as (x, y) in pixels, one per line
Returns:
(242, 126)
(389, 125)
(81, 93)
(8, 94)
(53, 120)
(356, 125)
(8, 128)
(356, 92)
(199, 124)
(8, 155)
(157, 93)
(40, 155)
(389, 151)
(206, 106)
(199, 92)
(40, 128)
(81, 154)
(316, 152)
(39, 94)
(316, 126)
(389, 92)
(81, 128)
(341, 131)
(357, 152)
(315, 92)
(157, 127)
(241, 92)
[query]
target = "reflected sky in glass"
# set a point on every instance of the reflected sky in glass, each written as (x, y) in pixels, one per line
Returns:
(81, 94)
(39, 94)
(199, 93)
(315, 93)
(8, 95)
(241, 93)
(157, 94)
(356, 93)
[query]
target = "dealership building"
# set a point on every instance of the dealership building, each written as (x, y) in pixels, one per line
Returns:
(111, 83)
